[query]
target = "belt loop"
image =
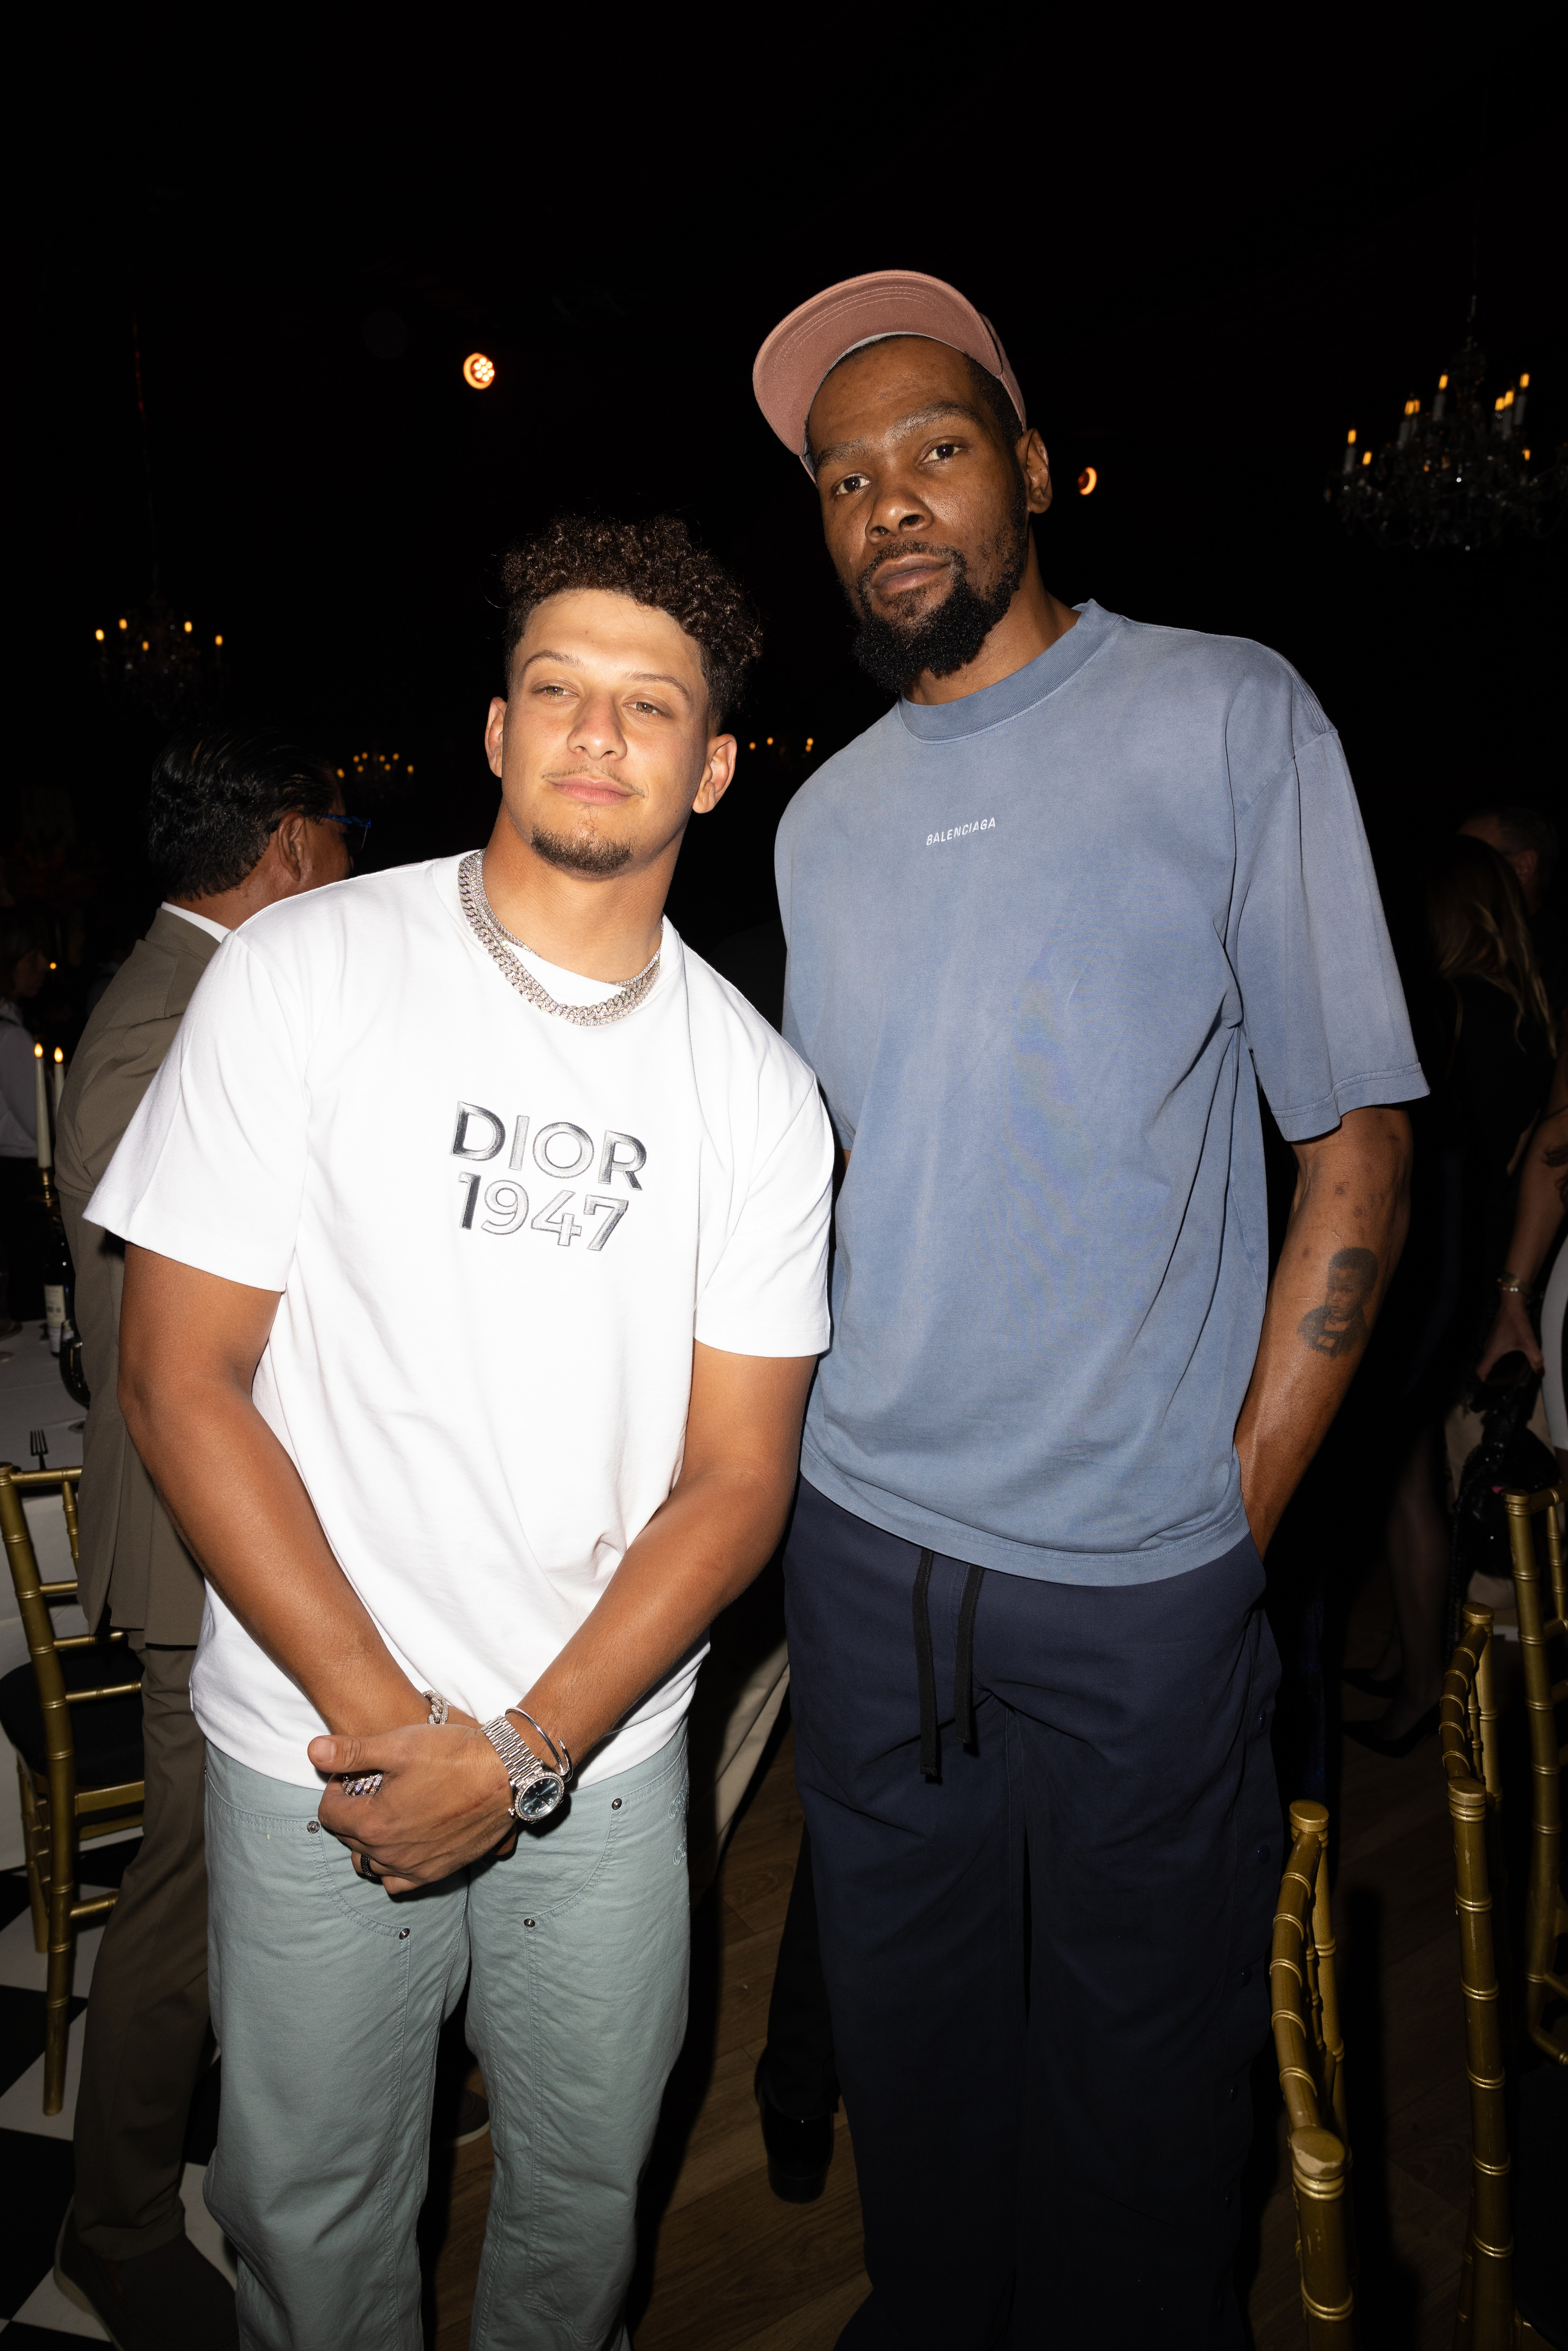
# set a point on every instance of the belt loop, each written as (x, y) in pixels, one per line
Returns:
(964, 1668)
(925, 1668)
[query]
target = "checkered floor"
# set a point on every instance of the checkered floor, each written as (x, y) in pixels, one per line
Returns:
(35, 2148)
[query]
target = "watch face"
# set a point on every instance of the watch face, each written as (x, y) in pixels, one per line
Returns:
(536, 1802)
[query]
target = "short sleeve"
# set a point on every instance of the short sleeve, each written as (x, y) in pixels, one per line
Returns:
(211, 1170)
(1321, 1006)
(767, 1295)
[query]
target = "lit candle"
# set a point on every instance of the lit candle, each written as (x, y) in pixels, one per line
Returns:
(1441, 401)
(60, 1081)
(1349, 464)
(1520, 400)
(45, 1151)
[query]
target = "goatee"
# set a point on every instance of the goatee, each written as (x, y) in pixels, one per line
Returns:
(580, 853)
(949, 635)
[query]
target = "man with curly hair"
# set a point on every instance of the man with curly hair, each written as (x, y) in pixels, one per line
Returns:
(464, 1535)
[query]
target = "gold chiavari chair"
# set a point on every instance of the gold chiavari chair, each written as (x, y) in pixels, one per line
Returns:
(1487, 2318)
(1546, 1914)
(72, 1787)
(1310, 2055)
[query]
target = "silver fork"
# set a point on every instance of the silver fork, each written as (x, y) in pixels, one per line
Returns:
(38, 1446)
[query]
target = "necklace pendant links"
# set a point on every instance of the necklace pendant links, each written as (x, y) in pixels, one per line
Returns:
(500, 943)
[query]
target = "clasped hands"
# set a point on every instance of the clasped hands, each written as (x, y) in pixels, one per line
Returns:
(444, 1800)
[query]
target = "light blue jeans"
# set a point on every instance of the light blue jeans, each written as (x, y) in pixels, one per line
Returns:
(327, 1997)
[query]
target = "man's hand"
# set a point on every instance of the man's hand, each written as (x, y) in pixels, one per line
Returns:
(444, 1800)
(1347, 1228)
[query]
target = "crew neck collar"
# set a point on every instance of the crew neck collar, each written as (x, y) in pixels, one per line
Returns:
(993, 706)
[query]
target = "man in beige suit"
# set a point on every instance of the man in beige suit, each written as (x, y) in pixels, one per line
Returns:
(237, 821)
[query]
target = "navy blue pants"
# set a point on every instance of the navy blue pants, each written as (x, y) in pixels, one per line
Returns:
(1048, 1967)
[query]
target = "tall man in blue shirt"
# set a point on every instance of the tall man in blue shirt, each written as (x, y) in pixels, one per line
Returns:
(1050, 923)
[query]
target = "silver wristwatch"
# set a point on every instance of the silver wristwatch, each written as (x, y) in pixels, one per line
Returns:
(536, 1789)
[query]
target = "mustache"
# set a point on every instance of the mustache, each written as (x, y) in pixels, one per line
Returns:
(905, 547)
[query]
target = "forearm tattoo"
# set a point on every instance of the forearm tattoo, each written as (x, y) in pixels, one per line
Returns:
(1339, 1326)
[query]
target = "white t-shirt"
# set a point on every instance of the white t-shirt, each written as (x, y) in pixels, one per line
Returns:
(495, 1234)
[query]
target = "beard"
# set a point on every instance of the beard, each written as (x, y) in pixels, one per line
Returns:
(947, 636)
(580, 853)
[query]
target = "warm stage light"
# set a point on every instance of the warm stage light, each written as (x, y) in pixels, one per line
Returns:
(1086, 481)
(478, 371)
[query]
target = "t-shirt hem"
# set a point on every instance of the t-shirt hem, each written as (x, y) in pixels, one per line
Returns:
(1039, 1563)
(303, 1775)
(1407, 1083)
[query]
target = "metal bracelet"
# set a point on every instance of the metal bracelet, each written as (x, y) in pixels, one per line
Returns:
(557, 1747)
(369, 1782)
(1510, 1288)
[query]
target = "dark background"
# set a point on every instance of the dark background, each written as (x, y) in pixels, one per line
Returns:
(1206, 260)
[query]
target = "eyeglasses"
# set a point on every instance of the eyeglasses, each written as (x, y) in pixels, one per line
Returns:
(357, 828)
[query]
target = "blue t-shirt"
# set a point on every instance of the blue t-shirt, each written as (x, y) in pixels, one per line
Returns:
(1039, 940)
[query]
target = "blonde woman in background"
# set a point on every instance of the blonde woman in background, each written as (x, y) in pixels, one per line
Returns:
(1493, 1066)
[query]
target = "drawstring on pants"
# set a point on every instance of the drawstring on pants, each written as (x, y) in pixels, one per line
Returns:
(925, 1665)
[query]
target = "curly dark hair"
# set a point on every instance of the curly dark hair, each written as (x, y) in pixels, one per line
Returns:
(655, 563)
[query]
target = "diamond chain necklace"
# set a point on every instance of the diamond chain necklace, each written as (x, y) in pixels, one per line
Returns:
(498, 942)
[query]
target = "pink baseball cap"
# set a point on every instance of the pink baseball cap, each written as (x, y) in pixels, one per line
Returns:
(807, 345)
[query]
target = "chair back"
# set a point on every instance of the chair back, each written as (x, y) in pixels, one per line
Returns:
(1543, 1646)
(1304, 2000)
(1465, 1716)
(57, 1810)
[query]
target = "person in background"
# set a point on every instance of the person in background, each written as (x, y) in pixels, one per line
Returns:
(1051, 922)
(1532, 845)
(239, 819)
(24, 968)
(1542, 1200)
(1493, 1060)
(796, 2084)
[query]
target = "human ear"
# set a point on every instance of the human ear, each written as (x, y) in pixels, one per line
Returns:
(291, 841)
(717, 775)
(494, 732)
(1036, 468)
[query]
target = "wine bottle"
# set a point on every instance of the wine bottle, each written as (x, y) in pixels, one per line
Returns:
(72, 1371)
(58, 1278)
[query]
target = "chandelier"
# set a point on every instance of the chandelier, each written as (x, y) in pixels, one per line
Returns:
(156, 655)
(153, 653)
(1458, 474)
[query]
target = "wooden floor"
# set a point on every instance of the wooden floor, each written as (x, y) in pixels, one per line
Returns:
(727, 2267)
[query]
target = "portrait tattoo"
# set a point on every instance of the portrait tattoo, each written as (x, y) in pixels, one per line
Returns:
(1338, 1327)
